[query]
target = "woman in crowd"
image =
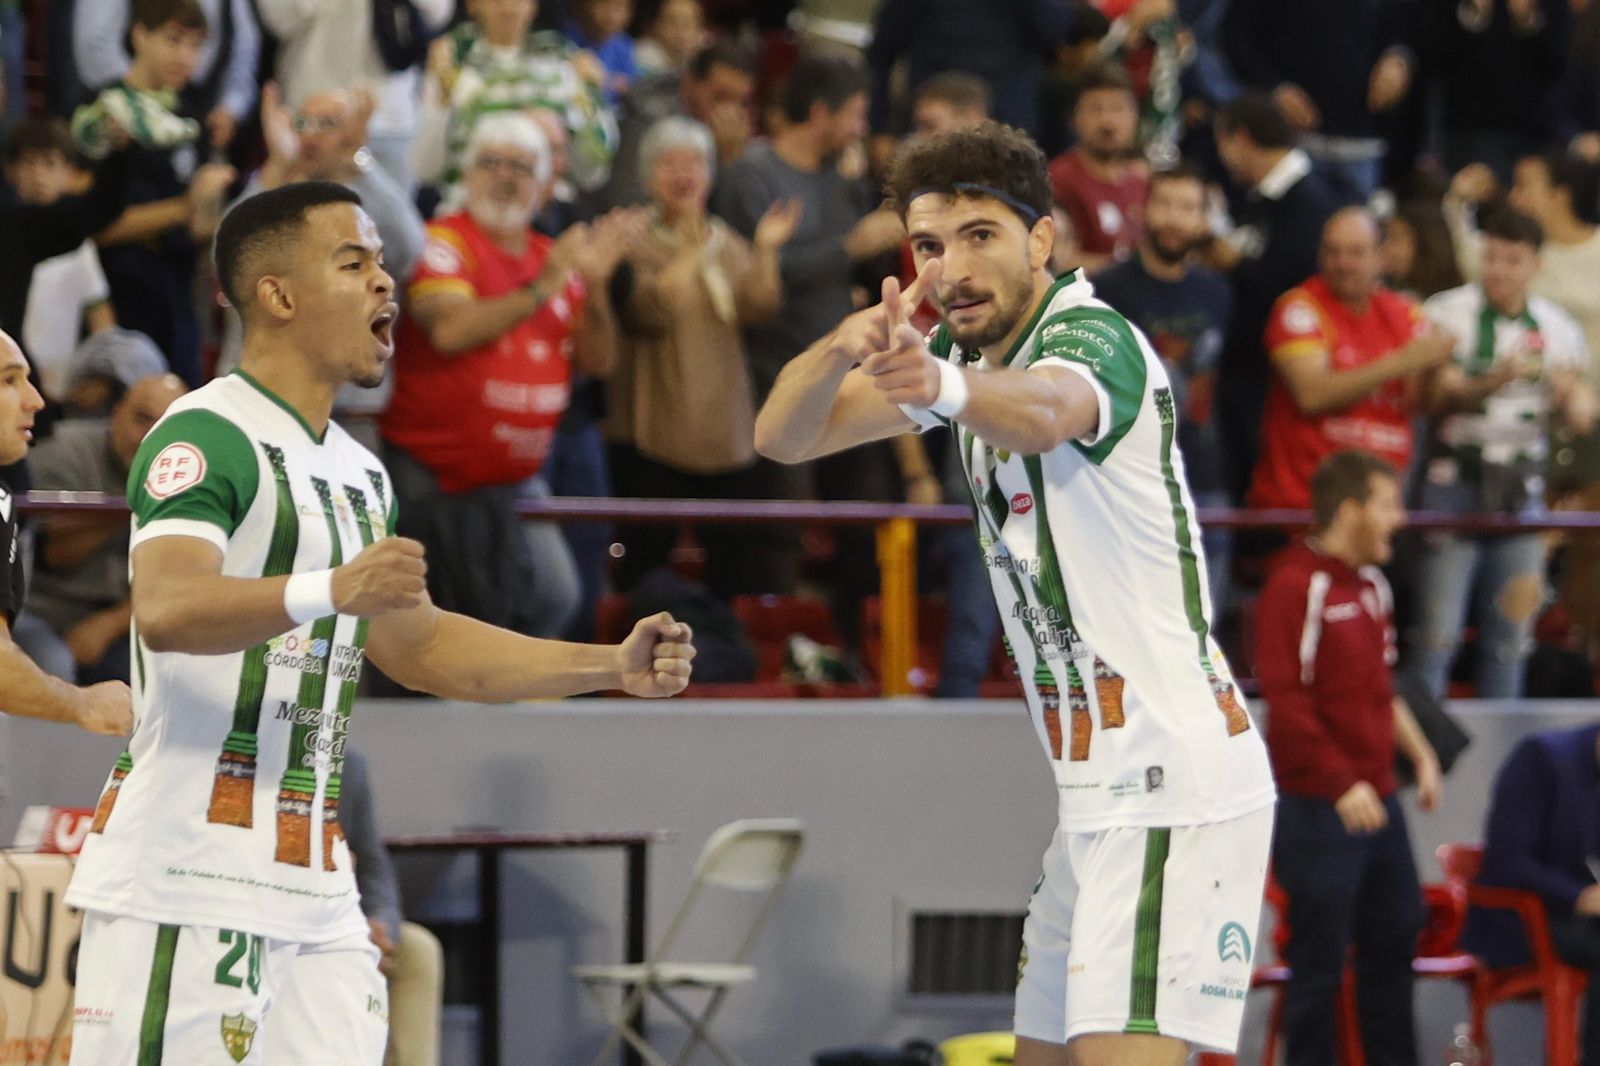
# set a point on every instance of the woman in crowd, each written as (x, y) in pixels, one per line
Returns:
(682, 411)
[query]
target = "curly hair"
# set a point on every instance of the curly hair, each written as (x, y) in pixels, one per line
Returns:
(990, 159)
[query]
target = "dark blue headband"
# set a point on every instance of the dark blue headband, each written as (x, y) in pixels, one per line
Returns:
(973, 188)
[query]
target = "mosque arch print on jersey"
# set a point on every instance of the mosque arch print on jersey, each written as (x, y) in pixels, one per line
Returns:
(1221, 687)
(1050, 629)
(317, 731)
(349, 673)
(233, 789)
(297, 791)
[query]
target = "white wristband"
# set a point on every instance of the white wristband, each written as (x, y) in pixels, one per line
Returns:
(952, 398)
(308, 597)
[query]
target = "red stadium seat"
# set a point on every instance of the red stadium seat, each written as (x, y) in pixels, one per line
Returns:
(1546, 978)
(771, 620)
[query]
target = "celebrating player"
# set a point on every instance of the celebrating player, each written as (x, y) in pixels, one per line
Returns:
(221, 912)
(26, 690)
(1139, 937)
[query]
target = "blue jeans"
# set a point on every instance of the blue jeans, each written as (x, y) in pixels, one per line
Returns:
(557, 588)
(1497, 580)
(1347, 891)
(48, 649)
(973, 619)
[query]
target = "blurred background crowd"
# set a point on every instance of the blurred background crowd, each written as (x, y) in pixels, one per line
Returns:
(1369, 224)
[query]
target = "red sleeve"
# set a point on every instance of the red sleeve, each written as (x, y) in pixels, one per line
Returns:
(1304, 754)
(445, 265)
(1063, 186)
(1296, 327)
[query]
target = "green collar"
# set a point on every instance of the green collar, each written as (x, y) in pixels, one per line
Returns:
(1069, 278)
(281, 402)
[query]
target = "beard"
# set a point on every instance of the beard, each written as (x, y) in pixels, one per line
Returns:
(1008, 303)
(499, 217)
(1169, 249)
(1104, 149)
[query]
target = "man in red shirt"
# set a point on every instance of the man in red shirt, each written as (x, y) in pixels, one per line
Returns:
(497, 318)
(1348, 355)
(1101, 182)
(1340, 849)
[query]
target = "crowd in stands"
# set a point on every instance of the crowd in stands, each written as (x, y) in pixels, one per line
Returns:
(1343, 226)
(611, 224)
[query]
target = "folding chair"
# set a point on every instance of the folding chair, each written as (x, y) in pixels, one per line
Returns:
(753, 855)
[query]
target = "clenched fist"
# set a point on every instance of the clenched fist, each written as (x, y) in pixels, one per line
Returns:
(656, 657)
(390, 575)
(106, 708)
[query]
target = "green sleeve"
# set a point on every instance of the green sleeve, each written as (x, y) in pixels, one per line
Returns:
(1102, 342)
(195, 466)
(394, 513)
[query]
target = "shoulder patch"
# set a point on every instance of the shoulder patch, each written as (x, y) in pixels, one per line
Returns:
(1300, 317)
(440, 256)
(176, 468)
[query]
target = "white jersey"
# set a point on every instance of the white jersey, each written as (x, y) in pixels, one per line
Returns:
(222, 811)
(1512, 425)
(1093, 551)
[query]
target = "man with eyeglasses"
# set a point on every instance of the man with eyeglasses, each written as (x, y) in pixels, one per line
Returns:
(323, 141)
(498, 317)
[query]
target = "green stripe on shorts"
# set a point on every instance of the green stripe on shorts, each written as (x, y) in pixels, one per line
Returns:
(1147, 933)
(153, 1029)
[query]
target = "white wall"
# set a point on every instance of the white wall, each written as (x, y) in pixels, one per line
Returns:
(904, 800)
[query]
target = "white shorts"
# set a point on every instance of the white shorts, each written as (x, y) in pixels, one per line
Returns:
(1145, 931)
(168, 995)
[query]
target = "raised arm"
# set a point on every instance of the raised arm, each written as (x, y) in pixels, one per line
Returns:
(821, 403)
(455, 657)
(183, 602)
(1317, 388)
(1030, 411)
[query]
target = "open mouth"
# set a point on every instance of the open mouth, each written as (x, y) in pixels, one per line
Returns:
(27, 431)
(383, 326)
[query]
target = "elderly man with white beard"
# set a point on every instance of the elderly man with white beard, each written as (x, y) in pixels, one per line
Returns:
(497, 319)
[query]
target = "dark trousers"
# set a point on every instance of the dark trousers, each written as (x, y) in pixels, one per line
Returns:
(973, 620)
(1577, 941)
(576, 466)
(739, 558)
(1345, 892)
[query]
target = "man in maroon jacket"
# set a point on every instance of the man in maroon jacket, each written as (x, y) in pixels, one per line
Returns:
(1340, 849)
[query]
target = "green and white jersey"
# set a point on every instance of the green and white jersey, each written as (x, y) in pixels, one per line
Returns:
(1511, 427)
(1093, 551)
(222, 811)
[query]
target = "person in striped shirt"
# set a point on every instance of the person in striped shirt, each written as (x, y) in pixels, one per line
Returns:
(1139, 938)
(218, 889)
